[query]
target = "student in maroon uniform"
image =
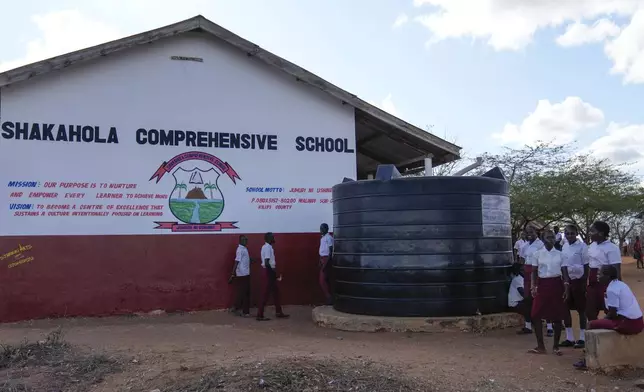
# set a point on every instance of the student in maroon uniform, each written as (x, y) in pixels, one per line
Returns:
(575, 274)
(271, 279)
(623, 312)
(548, 292)
(528, 250)
(601, 252)
(637, 252)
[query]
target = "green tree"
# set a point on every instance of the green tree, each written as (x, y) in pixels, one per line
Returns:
(551, 184)
(180, 187)
(600, 190)
(209, 186)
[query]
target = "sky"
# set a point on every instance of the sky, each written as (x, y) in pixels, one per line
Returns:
(482, 74)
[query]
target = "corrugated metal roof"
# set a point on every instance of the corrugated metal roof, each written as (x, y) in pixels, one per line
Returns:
(381, 137)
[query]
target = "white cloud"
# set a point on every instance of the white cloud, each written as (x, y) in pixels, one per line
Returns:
(62, 32)
(623, 143)
(400, 20)
(511, 24)
(580, 33)
(627, 50)
(559, 123)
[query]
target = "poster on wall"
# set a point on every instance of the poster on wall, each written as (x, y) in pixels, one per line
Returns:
(108, 180)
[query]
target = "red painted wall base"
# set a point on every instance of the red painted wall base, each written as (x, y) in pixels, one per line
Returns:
(109, 275)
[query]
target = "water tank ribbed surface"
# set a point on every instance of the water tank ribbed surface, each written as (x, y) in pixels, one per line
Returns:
(422, 246)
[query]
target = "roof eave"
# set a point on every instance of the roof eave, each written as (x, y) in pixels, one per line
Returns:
(201, 23)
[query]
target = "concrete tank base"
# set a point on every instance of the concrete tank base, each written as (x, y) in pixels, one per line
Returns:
(326, 316)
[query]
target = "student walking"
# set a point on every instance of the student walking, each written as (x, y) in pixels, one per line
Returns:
(271, 280)
(637, 252)
(326, 257)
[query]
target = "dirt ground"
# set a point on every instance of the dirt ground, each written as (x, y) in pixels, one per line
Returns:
(159, 349)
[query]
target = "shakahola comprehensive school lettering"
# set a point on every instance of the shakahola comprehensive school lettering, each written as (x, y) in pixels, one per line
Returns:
(162, 137)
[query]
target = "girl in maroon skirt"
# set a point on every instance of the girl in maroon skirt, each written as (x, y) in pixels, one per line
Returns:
(575, 274)
(601, 252)
(623, 312)
(548, 293)
(526, 254)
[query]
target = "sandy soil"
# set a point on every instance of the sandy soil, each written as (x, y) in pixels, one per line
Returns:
(158, 346)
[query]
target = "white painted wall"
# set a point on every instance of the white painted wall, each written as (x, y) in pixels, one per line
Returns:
(143, 88)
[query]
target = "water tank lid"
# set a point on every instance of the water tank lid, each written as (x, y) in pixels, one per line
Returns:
(495, 173)
(387, 172)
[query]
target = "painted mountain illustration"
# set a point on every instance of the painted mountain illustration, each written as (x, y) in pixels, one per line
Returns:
(196, 193)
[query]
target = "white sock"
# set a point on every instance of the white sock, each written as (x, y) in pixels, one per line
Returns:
(569, 335)
(528, 325)
(549, 326)
(582, 335)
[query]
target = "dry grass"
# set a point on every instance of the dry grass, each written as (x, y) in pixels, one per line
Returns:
(51, 365)
(298, 375)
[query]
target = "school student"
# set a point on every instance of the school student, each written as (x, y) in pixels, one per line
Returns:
(575, 275)
(548, 292)
(558, 238)
(529, 249)
(516, 297)
(637, 252)
(326, 255)
(601, 252)
(518, 245)
(623, 312)
(241, 277)
(271, 279)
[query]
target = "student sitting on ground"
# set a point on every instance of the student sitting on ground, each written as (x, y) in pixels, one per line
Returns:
(516, 296)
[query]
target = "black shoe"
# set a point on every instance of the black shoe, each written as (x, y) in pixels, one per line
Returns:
(282, 316)
(524, 331)
(567, 343)
(580, 344)
(550, 333)
(581, 365)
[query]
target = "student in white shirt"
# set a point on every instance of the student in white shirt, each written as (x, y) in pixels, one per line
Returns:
(532, 245)
(271, 279)
(575, 275)
(623, 312)
(548, 292)
(241, 277)
(326, 257)
(518, 245)
(601, 252)
(516, 296)
(558, 238)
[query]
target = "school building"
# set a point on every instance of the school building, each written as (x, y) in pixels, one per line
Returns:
(130, 169)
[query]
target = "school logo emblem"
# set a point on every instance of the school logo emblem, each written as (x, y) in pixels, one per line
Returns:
(196, 200)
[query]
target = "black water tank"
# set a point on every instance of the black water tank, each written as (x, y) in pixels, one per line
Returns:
(422, 246)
